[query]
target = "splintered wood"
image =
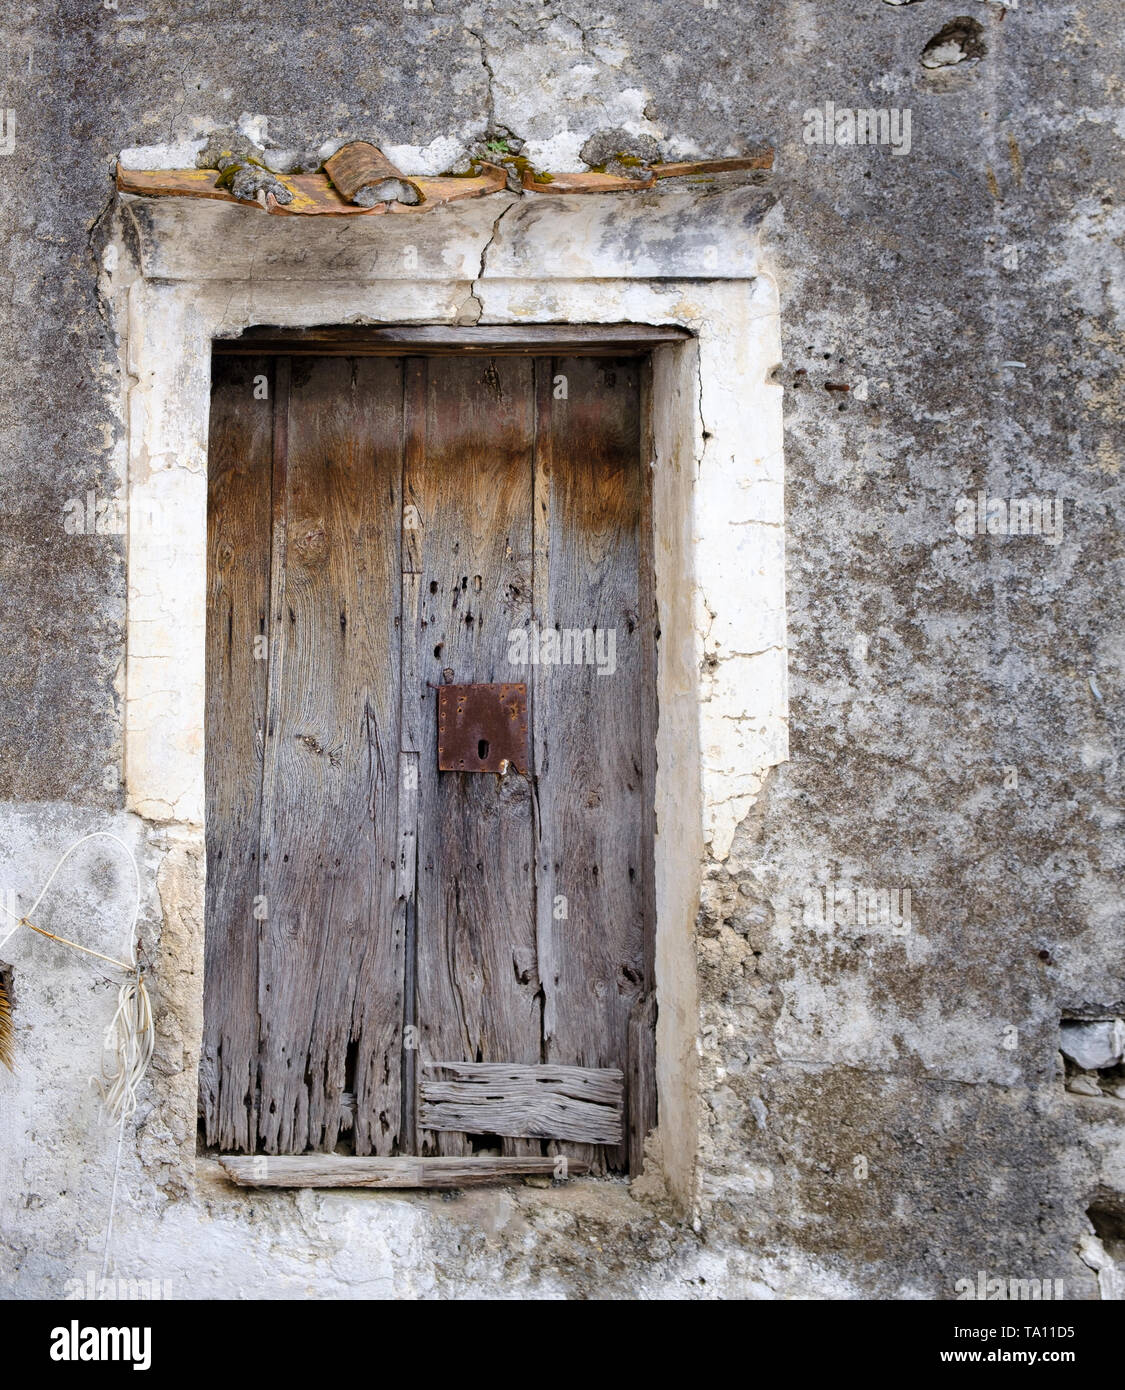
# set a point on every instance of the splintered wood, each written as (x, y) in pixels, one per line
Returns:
(540, 1102)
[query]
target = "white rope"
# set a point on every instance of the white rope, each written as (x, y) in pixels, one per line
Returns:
(130, 1037)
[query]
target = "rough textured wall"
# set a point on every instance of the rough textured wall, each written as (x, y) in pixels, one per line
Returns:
(954, 698)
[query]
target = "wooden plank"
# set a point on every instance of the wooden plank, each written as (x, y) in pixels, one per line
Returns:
(641, 1079)
(477, 983)
(490, 339)
(641, 1076)
(591, 728)
(332, 951)
(592, 181)
(763, 159)
(238, 577)
(542, 465)
(583, 182)
(331, 1170)
(531, 1102)
(413, 704)
(313, 194)
(405, 926)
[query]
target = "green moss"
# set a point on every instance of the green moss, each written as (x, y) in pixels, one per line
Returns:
(524, 166)
(226, 178)
(630, 161)
(517, 162)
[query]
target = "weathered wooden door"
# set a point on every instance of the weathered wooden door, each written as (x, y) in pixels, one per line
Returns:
(404, 960)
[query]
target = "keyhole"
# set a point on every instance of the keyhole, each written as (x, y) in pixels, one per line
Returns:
(482, 749)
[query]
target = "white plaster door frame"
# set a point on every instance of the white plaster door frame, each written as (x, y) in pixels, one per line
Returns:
(182, 272)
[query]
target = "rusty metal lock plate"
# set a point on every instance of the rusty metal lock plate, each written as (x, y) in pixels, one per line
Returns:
(482, 726)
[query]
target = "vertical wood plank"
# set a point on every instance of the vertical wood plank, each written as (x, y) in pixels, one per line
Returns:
(541, 524)
(640, 1076)
(331, 958)
(477, 982)
(413, 696)
(238, 558)
(592, 726)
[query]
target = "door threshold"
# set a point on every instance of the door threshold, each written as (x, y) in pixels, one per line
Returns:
(335, 1170)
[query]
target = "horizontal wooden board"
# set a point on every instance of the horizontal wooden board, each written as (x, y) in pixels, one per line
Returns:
(585, 182)
(583, 1104)
(313, 194)
(616, 339)
(763, 159)
(592, 181)
(332, 1170)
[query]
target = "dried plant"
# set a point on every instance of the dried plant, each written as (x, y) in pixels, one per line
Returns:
(7, 1031)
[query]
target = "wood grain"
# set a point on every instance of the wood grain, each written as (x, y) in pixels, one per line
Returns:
(641, 1078)
(591, 729)
(331, 955)
(424, 509)
(477, 988)
(538, 1102)
(238, 577)
(617, 339)
(591, 181)
(313, 194)
(763, 159)
(331, 1170)
(586, 181)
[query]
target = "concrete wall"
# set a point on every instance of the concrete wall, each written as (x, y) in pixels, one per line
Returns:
(883, 1110)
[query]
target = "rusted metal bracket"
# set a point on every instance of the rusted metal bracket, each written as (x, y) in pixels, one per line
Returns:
(482, 728)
